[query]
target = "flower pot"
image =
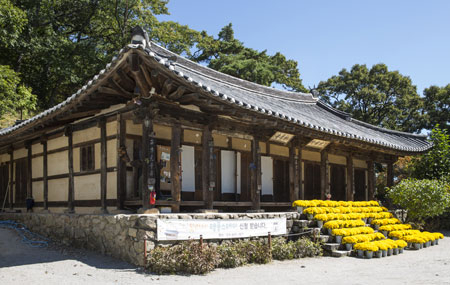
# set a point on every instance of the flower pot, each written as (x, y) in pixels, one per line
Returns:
(348, 246)
(425, 244)
(410, 245)
(365, 220)
(390, 251)
(369, 220)
(384, 253)
(376, 227)
(310, 216)
(428, 243)
(395, 238)
(330, 232)
(319, 224)
(421, 245)
(437, 241)
(416, 245)
(338, 239)
(360, 253)
(378, 254)
(385, 233)
(433, 242)
(395, 252)
(369, 254)
(300, 210)
(400, 250)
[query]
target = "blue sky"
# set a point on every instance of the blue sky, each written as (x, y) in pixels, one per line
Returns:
(412, 37)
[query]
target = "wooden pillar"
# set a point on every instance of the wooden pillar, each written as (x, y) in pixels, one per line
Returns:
(121, 163)
(45, 171)
(293, 174)
(212, 172)
(324, 185)
(149, 161)
(256, 185)
(103, 171)
(371, 180)
(71, 196)
(29, 171)
(206, 138)
(11, 178)
(299, 171)
(175, 162)
(350, 178)
(390, 174)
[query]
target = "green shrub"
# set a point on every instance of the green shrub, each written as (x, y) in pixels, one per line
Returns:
(307, 248)
(421, 198)
(281, 249)
(256, 251)
(231, 256)
(186, 257)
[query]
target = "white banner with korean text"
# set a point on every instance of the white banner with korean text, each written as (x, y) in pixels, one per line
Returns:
(180, 229)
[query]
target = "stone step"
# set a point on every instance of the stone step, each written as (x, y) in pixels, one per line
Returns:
(305, 223)
(324, 238)
(341, 253)
(331, 246)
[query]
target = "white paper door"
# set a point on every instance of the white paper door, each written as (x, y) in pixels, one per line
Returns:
(228, 165)
(187, 168)
(267, 175)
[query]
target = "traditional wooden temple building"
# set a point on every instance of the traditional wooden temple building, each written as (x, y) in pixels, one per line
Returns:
(153, 123)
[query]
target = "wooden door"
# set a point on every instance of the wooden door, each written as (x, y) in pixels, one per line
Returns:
(281, 180)
(312, 181)
(360, 185)
(21, 181)
(337, 187)
(4, 180)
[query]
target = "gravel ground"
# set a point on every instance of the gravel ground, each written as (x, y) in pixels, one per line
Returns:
(22, 264)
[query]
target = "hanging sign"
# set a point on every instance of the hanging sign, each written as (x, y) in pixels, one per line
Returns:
(181, 229)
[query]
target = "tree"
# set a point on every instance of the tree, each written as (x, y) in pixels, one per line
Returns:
(229, 55)
(435, 164)
(14, 97)
(437, 107)
(421, 198)
(376, 96)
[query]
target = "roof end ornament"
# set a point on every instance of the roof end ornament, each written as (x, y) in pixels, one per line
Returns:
(140, 37)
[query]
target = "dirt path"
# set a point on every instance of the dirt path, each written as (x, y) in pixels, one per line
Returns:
(21, 264)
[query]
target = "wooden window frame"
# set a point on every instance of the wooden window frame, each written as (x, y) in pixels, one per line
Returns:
(84, 166)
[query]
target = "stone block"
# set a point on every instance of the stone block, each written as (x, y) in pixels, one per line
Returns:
(146, 222)
(132, 232)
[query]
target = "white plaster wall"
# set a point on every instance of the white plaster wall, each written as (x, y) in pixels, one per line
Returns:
(279, 150)
(241, 144)
(37, 165)
(111, 185)
(97, 155)
(37, 148)
(76, 159)
(192, 136)
(359, 163)
(228, 166)
(187, 168)
(162, 132)
(38, 191)
(58, 142)
(58, 189)
(220, 140)
(87, 187)
(57, 163)
(4, 157)
(86, 135)
(310, 155)
(20, 153)
(111, 153)
(337, 159)
(111, 128)
(134, 129)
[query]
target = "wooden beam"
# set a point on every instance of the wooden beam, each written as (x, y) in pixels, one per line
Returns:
(175, 165)
(293, 178)
(370, 180)
(256, 185)
(45, 172)
(350, 178)
(29, 171)
(167, 87)
(120, 89)
(324, 186)
(71, 195)
(11, 178)
(390, 174)
(111, 91)
(103, 171)
(177, 94)
(206, 138)
(121, 163)
(299, 171)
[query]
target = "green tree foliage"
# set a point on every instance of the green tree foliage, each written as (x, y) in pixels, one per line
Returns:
(229, 55)
(435, 164)
(14, 97)
(421, 198)
(437, 107)
(376, 96)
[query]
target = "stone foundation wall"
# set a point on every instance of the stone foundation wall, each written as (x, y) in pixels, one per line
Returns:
(121, 236)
